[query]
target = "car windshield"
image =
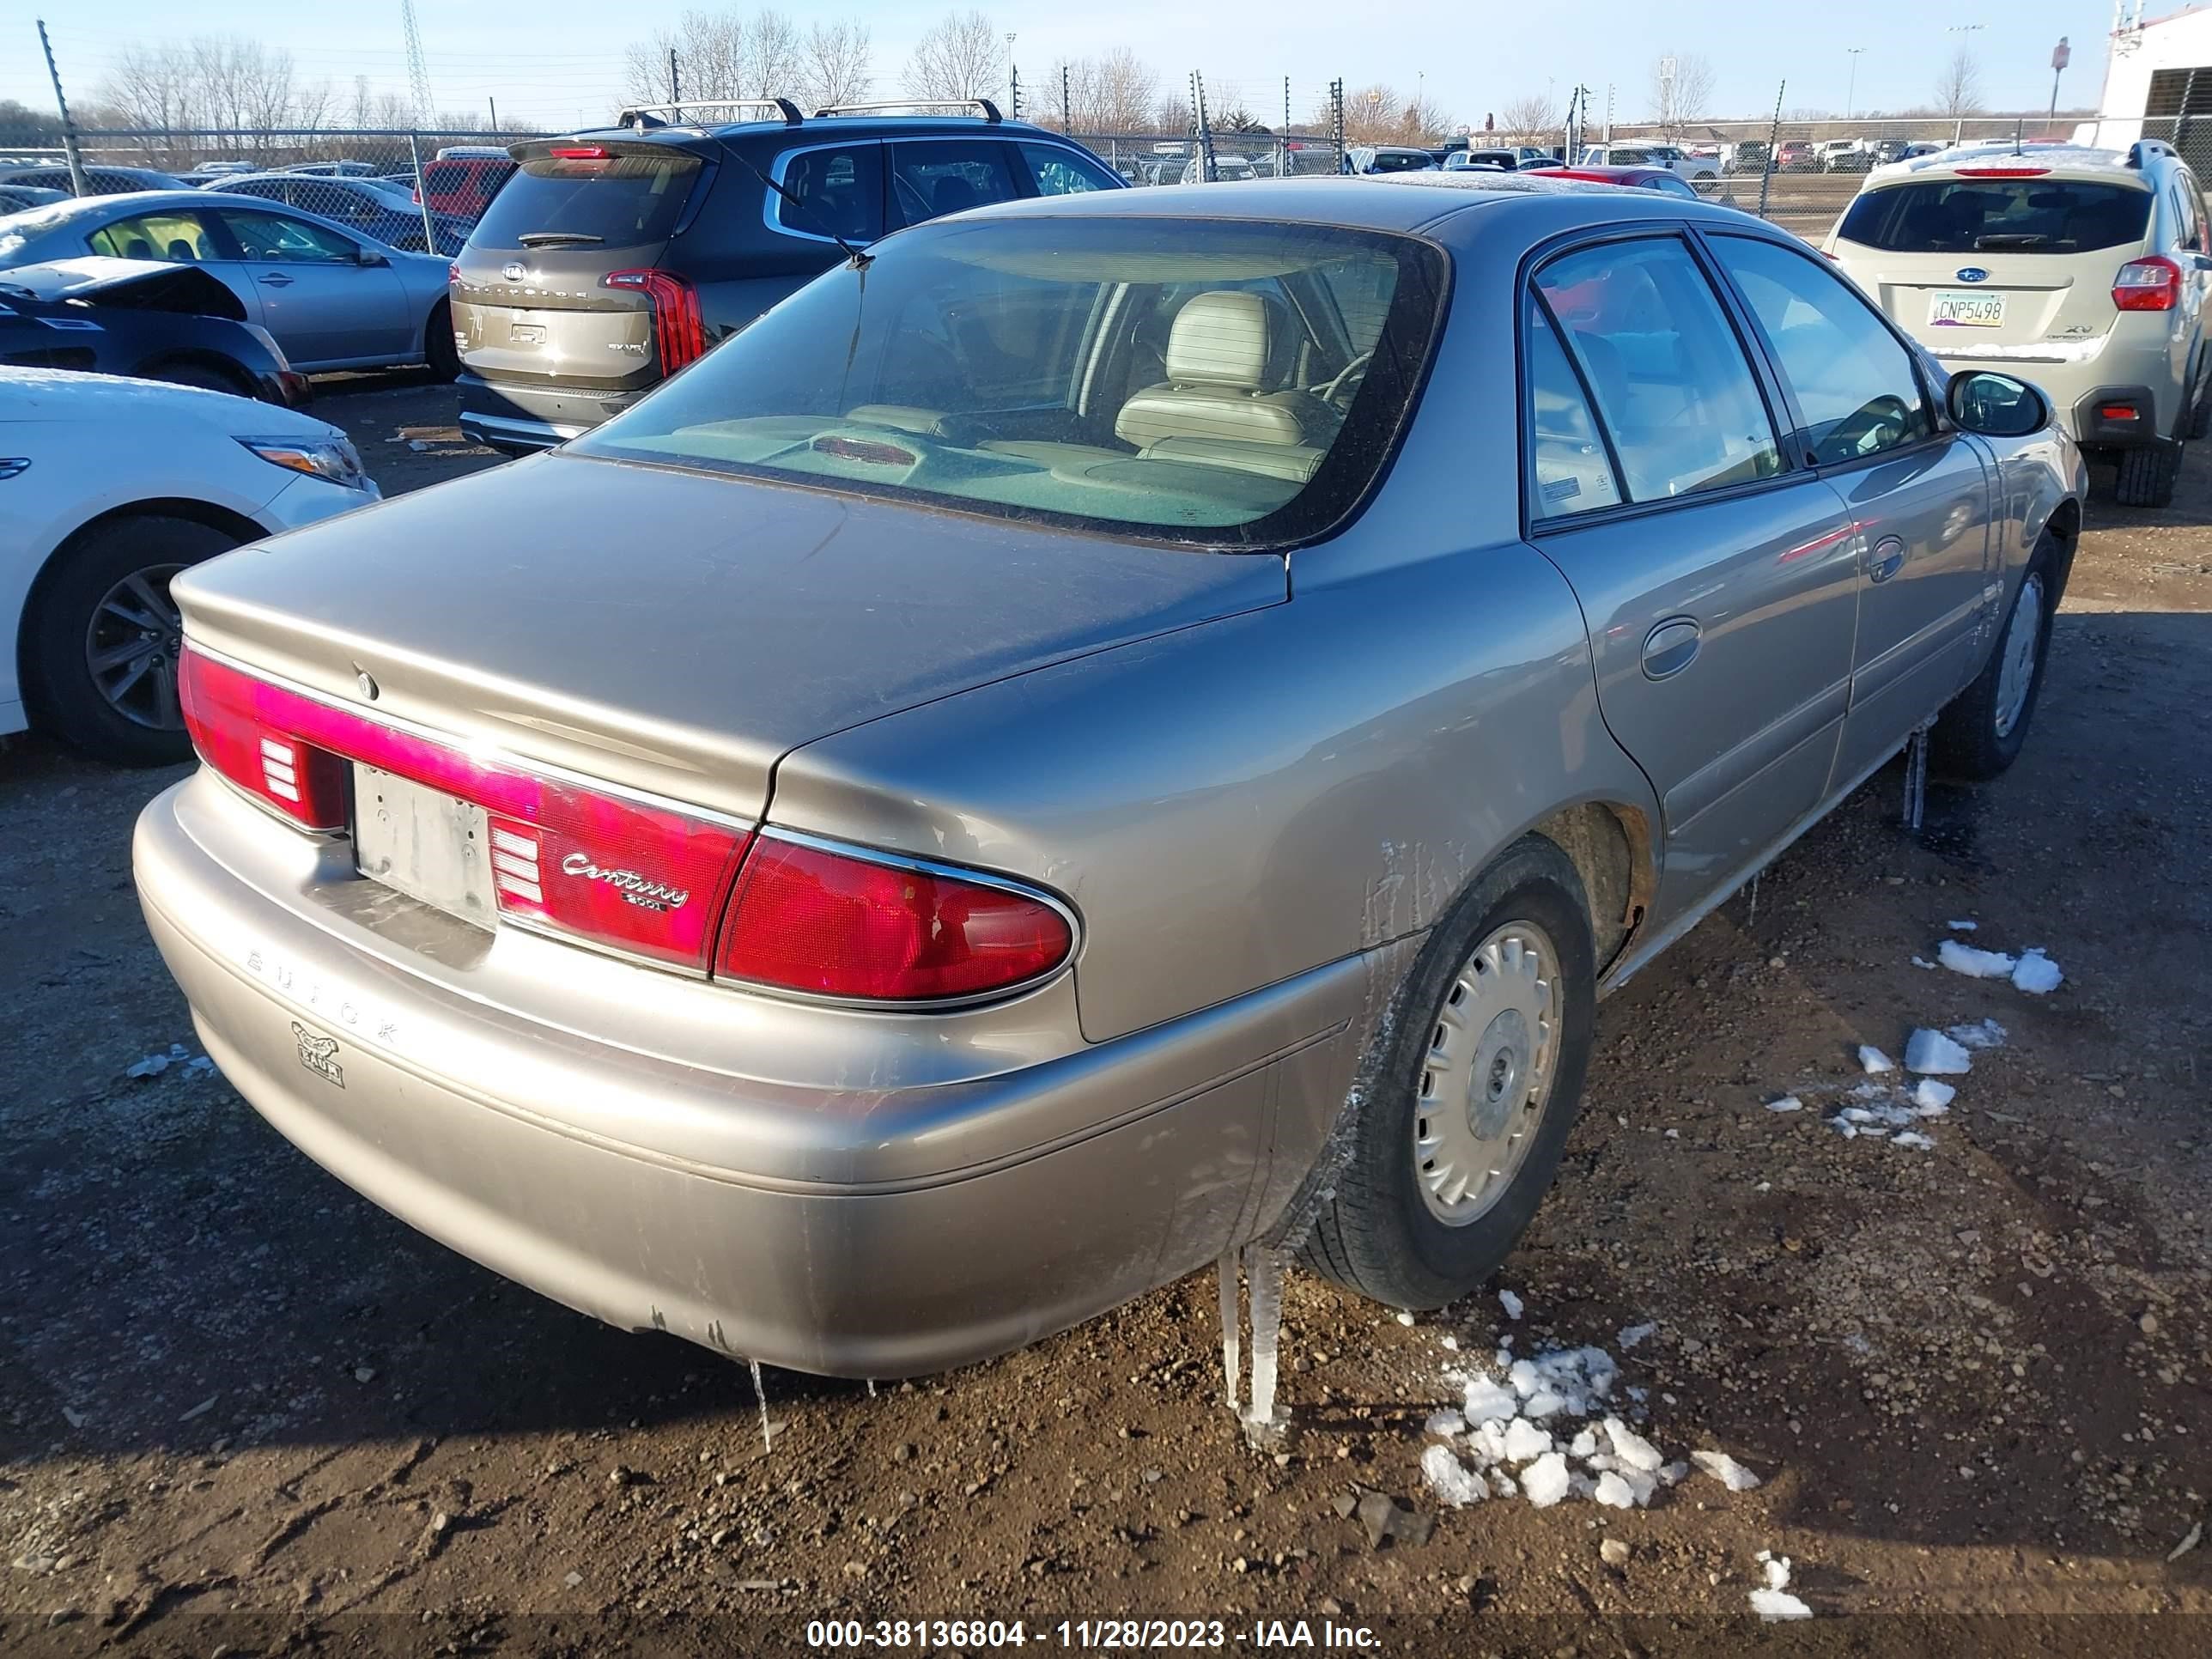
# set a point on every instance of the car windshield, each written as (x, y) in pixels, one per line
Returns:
(1218, 383)
(1994, 216)
(623, 201)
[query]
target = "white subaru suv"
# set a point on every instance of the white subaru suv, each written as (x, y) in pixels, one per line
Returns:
(2085, 271)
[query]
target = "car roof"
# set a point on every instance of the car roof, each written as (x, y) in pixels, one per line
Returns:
(2065, 161)
(1406, 202)
(813, 128)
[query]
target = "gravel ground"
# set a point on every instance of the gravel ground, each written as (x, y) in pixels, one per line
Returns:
(242, 1411)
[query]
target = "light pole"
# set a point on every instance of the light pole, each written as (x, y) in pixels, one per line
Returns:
(1851, 91)
(2060, 55)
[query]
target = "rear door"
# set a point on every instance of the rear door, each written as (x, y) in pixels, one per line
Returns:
(1716, 576)
(1917, 494)
(181, 236)
(321, 302)
(2006, 257)
(532, 305)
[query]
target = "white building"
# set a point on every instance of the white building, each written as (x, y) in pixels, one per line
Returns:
(2157, 82)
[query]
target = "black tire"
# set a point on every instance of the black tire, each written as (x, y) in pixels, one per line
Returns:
(204, 375)
(2147, 475)
(1968, 742)
(59, 688)
(438, 348)
(1376, 1235)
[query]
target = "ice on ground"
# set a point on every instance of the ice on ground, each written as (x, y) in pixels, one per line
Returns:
(1631, 1447)
(1545, 1481)
(1264, 1268)
(1451, 1481)
(1523, 1376)
(1630, 1335)
(1232, 1325)
(1787, 1103)
(2036, 974)
(1511, 1302)
(1873, 1061)
(1452, 1343)
(1982, 1034)
(1545, 1402)
(1775, 1606)
(1725, 1469)
(1962, 927)
(1445, 1422)
(1775, 1567)
(1405, 1318)
(1931, 1098)
(1911, 1138)
(1613, 1492)
(1525, 1441)
(1922, 962)
(1489, 1401)
(198, 1066)
(1584, 1445)
(1928, 1051)
(1975, 964)
(151, 1066)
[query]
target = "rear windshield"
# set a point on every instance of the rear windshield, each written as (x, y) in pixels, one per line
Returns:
(623, 201)
(1215, 383)
(1997, 215)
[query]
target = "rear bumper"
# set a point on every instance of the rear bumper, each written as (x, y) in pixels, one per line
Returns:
(529, 418)
(560, 1160)
(2118, 418)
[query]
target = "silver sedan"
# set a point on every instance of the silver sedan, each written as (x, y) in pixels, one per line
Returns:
(1103, 730)
(333, 298)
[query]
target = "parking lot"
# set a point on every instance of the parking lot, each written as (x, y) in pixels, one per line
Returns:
(241, 1410)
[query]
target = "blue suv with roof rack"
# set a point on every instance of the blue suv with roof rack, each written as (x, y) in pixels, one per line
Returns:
(613, 257)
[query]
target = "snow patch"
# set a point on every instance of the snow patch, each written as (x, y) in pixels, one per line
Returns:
(1776, 1606)
(1630, 1335)
(1873, 1061)
(2036, 974)
(1451, 1481)
(1725, 1469)
(1931, 1098)
(1511, 1302)
(1974, 963)
(1983, 1034)
(1787, 1103)
(1545, 1481)
(1931, 1051)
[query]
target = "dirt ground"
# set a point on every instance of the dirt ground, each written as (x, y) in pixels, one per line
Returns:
(241, 1411)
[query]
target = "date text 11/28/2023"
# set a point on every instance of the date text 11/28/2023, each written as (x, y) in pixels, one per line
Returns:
(1102, 1634)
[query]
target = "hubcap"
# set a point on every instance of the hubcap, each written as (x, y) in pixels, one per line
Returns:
(131, 646)
(2016, 665)
(1488, 1077)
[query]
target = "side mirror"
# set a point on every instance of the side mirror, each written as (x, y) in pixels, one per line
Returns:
(1996, 405)
(369, 256)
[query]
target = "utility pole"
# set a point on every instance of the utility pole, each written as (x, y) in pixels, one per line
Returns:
(1851, 87)
(79, 185)
(1013, 80)
(494, 102)
(675, 79)
(2060, 55)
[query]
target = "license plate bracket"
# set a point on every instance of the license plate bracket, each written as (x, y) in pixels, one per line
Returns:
(1957, 308)
(423, 842)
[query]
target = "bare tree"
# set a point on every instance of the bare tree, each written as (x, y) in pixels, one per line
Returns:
(1378, 114)
(722, 54)
(1681, 89)
(837, 66)
(960, 56)
(1125, 87)
(1174, 113)
(1959, 88)
(214, 80)
(1533, 115)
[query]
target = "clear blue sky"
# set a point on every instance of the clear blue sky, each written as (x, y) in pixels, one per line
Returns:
(556, 62)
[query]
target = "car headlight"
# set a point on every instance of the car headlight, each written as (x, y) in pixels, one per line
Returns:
(333, 459)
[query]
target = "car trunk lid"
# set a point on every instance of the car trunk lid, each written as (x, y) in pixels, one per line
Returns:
(675, 632)
(532, 300)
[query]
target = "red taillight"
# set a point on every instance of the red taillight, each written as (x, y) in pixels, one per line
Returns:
(2147, 284)
(2002, 173)
(581, 153)
(807, 918)
(675, 323)
(648, 880)
(251, 746)
(2119, 412)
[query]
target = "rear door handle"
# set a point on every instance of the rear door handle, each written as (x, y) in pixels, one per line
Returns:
(1671, 646)
(275, 279)
(1886, 560)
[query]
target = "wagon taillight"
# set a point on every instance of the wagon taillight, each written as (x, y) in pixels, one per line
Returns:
(678, 327)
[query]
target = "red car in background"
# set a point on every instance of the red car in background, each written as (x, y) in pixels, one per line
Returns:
(463, 185)
(1658, 179)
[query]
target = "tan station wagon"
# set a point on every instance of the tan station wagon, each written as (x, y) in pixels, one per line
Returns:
(1102, 730)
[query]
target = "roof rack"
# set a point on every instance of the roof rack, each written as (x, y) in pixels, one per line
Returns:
(644, 115)
(988, 110)
(2144, 147)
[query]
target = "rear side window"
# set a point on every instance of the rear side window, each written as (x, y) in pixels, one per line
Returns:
(178, 237)
(1063, 172)
(833, 192)
(623, 201)
(1573, 474)
(1998, 216)
(1673, 385)
(932, 180)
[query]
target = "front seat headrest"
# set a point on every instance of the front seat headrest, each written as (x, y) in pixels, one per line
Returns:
(1222, 338)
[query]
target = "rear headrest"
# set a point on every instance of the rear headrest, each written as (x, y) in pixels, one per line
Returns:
(1222, 339)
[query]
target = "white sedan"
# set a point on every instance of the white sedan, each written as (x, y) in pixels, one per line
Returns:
(108, 488)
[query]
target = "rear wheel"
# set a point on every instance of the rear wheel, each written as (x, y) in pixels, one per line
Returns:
(101, 641)
(2148, 474)
(1473, 1090)
(438, 348)
(1981, 732)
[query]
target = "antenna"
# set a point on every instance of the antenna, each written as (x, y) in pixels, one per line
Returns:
(418, 69)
